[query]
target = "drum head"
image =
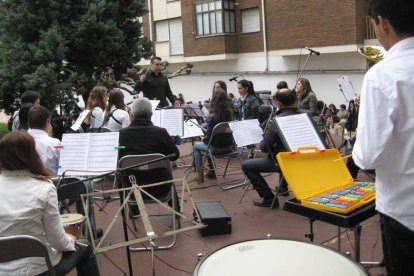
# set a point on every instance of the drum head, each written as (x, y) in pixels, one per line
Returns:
(69, 219)
(268, 257)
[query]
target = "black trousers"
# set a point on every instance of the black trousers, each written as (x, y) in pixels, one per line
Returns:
(398, 247)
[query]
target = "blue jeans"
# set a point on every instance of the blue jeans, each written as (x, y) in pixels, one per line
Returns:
(82, 258)
(252, 169)
(398, 247)
(200, 147)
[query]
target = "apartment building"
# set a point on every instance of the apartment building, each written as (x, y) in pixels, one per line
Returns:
(260, 40)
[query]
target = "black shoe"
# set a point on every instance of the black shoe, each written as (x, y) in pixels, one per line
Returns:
(263, 202)
(98, 233)
(282, 191)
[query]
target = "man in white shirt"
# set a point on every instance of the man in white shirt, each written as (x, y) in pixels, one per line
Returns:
(385, 138)
(47, 147)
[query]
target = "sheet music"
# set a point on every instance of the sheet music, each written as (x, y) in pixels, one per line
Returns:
(170, 119)
(247, 132)
(191, 129)
(154, 104)
(94, 152)
(156, 118)
(173, 121)
(299, 131)
(347, 88)
(80, 120)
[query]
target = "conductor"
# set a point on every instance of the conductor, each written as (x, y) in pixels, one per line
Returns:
(155, 85)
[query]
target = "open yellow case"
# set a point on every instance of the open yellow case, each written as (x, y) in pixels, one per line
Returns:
(315, 176)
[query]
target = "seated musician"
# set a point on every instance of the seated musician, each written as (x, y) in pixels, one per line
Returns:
(142, 137)
(287, 103)
(39, 125)
(29, 206)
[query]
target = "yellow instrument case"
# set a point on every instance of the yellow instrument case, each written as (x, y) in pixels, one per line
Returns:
(313, 174)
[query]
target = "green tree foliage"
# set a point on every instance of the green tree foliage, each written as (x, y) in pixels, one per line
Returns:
(66, 46)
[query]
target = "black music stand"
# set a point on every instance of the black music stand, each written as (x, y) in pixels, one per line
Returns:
(193, 111)
(351, 220)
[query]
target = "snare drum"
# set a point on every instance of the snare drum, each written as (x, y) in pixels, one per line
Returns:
(269, 257)
(73, 224)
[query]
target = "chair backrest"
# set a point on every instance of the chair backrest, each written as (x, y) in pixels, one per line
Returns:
(264, 112)
(23, 246)
(321, 107)
(130, 160)
(72, 192)
(145, 173)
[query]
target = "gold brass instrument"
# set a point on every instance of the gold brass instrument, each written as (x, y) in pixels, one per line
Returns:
(373, 53)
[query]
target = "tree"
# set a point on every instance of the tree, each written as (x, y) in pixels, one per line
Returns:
(62, 47)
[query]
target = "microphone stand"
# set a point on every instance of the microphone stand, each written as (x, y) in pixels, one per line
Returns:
(303, 67)
(122, 211)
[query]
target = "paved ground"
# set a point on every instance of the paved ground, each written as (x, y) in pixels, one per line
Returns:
(248, 222)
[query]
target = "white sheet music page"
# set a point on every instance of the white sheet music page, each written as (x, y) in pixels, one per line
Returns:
(103, 154)
(347, 88)
(299, 131)
(80, 120)
(247, 132)
(173, 121)
(154, 104)
(156, 118)
(91, 152)
(191, 129)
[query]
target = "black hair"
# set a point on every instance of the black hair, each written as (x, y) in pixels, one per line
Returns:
(398, 12)
(286, 97)
(247, 84)
(29, 97)
(282, 84)
(155, 58)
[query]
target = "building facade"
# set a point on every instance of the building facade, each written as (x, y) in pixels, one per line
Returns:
(260, 40)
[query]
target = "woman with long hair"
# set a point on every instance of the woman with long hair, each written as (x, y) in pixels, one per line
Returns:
(29, 206)
(306, 97)
(96, 104)
(219, 86)
(117, 116)
(248, 103)
(221, 111)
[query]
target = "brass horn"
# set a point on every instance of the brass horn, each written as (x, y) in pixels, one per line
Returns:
(372, 53)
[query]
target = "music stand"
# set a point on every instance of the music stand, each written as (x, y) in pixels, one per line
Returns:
(193, 111)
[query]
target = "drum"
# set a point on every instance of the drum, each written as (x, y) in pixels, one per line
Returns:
(73, 224)
(269, 257)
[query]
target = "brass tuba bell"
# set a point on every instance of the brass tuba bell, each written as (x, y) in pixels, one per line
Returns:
(372, 53)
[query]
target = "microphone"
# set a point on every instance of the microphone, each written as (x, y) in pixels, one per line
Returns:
(312, 51)
(234, 78)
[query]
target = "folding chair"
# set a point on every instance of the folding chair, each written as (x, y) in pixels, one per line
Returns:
(216, 153)
(169, 196)
(73, 192)
(24, 246)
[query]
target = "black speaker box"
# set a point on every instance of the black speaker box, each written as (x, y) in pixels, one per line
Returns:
(213, 214)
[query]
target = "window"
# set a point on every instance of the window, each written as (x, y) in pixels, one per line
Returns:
(161, 31)
(250, 20)
(170, 31)
(215, 17)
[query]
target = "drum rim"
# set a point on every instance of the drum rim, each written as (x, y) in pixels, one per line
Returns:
(200, 262)
(81, 218)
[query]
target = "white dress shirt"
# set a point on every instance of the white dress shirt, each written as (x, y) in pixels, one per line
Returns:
(29, 206)
(385, 137)
(45, 147)
(121, 115)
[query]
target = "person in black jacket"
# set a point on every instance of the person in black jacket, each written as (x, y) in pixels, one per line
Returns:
(288, 105)
(155, 85)
(221, 111)
(142, 137)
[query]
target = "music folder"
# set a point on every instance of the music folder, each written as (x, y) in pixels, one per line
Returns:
(298, 131)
